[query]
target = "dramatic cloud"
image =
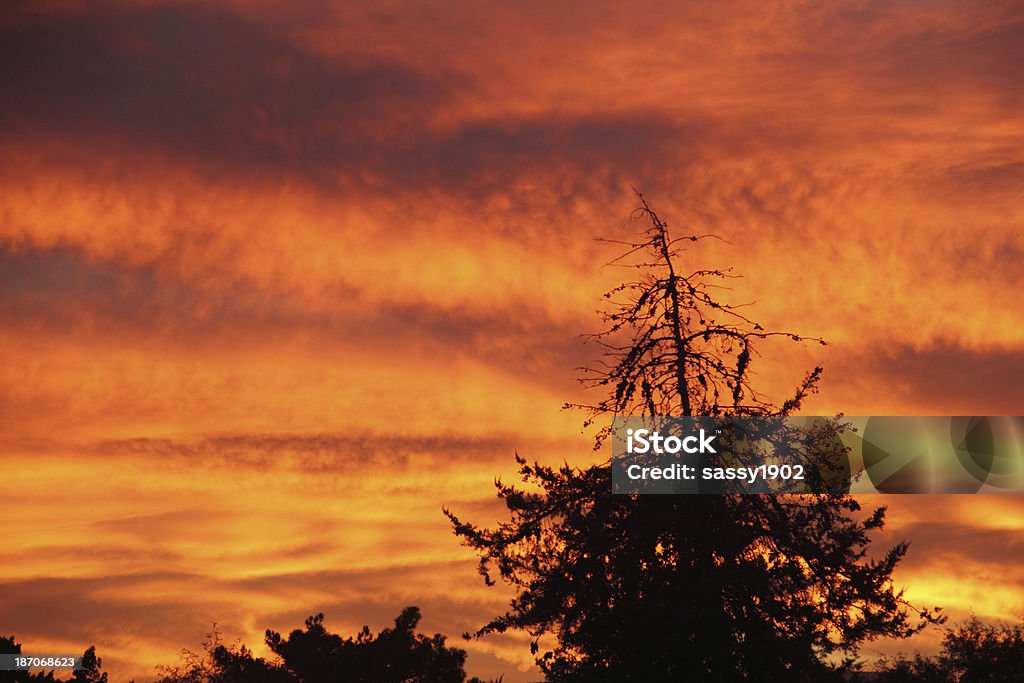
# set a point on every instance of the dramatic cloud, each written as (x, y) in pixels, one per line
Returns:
(279, 280)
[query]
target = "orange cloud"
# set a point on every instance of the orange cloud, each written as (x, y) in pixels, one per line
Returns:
(239, 244)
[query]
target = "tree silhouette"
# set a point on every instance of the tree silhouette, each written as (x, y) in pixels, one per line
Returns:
(91, 671)
(220, 663)
(723, 587)
(972, 652)
(396, 655)
(315, 655)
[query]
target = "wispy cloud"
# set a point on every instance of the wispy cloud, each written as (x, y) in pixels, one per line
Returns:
(278, 280)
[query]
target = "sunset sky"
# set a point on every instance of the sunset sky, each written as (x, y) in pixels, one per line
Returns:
(279, 280)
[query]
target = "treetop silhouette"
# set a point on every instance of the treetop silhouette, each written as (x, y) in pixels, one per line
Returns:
(670, 346)
(315, 655)
(719, 587)
(971, 652)
(91, 671)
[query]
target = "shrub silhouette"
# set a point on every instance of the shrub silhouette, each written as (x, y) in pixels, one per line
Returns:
(972, 652)
(315, 655)
(395, 655)
(91, 671)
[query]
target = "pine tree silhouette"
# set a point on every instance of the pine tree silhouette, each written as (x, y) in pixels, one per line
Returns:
(688, 587)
